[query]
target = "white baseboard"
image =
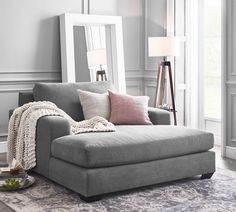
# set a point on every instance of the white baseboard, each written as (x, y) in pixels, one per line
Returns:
(230, 152)
(3, 147)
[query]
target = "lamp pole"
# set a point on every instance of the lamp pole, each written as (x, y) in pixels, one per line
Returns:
(163, 67)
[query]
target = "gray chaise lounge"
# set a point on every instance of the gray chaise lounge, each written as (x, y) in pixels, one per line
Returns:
(93, 164)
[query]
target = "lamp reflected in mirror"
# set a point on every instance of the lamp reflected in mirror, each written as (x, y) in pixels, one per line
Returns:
(98, 58)
(164, 47)
(82, 34)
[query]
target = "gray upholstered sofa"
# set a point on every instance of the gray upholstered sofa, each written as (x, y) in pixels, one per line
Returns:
(93, 164)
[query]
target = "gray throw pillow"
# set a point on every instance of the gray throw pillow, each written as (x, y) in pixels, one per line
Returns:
(94, 104)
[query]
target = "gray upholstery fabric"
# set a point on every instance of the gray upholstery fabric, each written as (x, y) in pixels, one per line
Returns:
(130, 144)
(159, 116)
(90, 182)
(48, 128)
(65, 95)
(158, 145)
(10, 113)
(25, 97)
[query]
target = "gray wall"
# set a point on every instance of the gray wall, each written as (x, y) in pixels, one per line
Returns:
(81, 63)
(155, 25)
(30, 46)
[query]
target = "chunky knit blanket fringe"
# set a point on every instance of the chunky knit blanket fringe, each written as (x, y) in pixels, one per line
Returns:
(21, 141)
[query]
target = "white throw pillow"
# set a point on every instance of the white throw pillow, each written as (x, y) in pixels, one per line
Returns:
(94, 104)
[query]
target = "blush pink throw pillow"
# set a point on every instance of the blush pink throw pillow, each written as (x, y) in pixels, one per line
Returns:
(126, 109)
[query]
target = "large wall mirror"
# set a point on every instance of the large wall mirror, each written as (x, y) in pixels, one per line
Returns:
(92, 49)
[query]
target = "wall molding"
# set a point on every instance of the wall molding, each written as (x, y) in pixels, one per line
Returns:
(233, 83)
(14, 90)
(134, 74)
(148, 86)
(26, 76)
(15, 81)
(33, 71)
(3, 147)
(230, 152)
(23, 80)
(27, 81)
(232, 95)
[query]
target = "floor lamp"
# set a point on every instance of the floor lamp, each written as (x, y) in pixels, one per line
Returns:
(163, 47)
(98, 57)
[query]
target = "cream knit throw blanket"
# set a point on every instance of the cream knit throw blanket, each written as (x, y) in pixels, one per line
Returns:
(22, 129)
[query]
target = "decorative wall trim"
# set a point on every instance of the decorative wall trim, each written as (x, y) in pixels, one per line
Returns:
(134, 74)
(148, 86)
(224, 62)
(25, 77)
(23, 80)
(231, 116)
(230, 152)
(32, 71)
(14, 81)
(27, 81)
(3, 147)
(14, 90)
(231, 83)
(135, 84)
(147, 75)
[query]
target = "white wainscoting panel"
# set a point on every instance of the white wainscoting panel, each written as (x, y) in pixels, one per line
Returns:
(14, 81)
(134, 88)
(3, 147)
(134, 82)
(150, 90)
(230, 152)
(231, 115)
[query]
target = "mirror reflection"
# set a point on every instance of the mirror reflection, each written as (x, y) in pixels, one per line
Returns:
(91, 53)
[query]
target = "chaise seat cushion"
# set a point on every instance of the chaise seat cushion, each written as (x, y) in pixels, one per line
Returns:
(130, 144)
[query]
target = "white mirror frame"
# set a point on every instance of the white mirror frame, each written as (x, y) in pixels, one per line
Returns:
(67, 23)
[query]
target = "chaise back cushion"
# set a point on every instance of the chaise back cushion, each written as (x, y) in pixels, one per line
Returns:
(66, 97)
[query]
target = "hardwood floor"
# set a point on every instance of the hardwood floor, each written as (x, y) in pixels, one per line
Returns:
(223, 163)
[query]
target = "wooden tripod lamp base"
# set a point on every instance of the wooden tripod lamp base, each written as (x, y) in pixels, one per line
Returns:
(165, 66)
(164, 47)
(101, 75)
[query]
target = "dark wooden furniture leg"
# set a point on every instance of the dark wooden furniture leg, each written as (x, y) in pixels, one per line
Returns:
(172, 93)
(105, 76)
(90, 199)
(102, 75)
(207, 176)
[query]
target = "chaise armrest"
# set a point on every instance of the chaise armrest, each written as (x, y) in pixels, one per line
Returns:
(159, 116)
(10, 113)
(48, 129)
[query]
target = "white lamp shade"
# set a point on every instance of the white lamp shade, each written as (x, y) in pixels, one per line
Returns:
(163, 46)
(97, 57)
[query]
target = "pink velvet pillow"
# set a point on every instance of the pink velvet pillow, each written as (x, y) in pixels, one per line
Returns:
(126, 109)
